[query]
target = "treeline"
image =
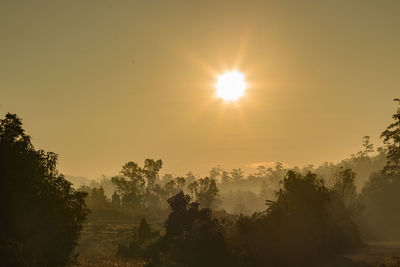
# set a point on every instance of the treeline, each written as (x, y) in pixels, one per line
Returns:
(139, 193)
(316, 212)
(307, 224)
(231, 191)
(305, 216)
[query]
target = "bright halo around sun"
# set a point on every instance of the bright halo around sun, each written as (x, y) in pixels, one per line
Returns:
(230, 85)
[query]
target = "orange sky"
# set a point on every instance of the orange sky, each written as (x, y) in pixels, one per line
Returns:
(104, 82)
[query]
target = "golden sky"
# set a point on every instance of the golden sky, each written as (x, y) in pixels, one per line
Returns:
(104, 82)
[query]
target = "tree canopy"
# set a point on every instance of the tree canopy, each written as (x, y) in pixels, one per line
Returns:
(41, 214)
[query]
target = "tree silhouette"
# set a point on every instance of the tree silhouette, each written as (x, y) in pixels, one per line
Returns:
(192, 238)
(303, 227)
(237, 174)
(138, 241)
(381, 194)
(346, 191)
(206, 192)
(391, 138)
(116, 201)
(97, 199)
(137, 185)
(41, 214)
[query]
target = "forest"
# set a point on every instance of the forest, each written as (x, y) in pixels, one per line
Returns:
(276, 216)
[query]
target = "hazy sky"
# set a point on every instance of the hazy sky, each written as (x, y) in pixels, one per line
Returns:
(104, 82)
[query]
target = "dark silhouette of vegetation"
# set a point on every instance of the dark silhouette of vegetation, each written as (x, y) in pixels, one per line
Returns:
(205, 191)
(391, 138)
(381, 194)
(116, 201)
(305, 226)
(41, 214)
(345, 189)
(137, 185)
(137, 241)
(192, 238)
(274, 217)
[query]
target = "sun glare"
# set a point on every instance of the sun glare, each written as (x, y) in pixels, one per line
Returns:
(230, 85)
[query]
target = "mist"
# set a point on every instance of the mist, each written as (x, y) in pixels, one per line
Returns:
(199, 133)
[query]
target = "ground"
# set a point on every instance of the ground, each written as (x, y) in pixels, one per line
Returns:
(382, 254)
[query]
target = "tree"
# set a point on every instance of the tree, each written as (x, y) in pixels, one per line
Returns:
(144, 231)
(225, 178)
(190, 177)
(206, 192)
(137, 185)
(180, 182)
(138, 240)
(381, 194)
(97, 199)
(41, 214)
(391, 138)
(116, 201)
(262, 172)
(215, 172)
(180, 219)
(130, 184)
(150, 170)
(380, 197)
(174, 186)
(305, 226)
(192, 237)
(368, 147)
(237, 175)
(345, 189)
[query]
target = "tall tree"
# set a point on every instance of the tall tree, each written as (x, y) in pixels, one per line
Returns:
(345, 189)
(304, 226)
(116, 201)
(237, 175)
(137, 185)
(391, 138)
(206, 192)
(192, 236)
(41, 214)
(97, 199)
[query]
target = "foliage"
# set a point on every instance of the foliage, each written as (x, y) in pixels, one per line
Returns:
(206, 192)
(368, 148)
(97, 199)
(42, 214)
(192, 237)
(381, 193)
(137, 185)
(138, 241)
(380, 197)
(305, 226)
(237, 174)
(391, 138)
(345, 190)
(116, 201)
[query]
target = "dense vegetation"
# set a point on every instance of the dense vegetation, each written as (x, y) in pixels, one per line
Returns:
(274, 217)
(41, 214)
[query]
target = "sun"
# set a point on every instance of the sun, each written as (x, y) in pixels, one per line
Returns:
(231, 85)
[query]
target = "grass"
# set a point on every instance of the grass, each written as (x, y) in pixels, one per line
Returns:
(104, 261)
(102, 239)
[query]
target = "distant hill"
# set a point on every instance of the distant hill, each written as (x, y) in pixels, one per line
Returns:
(104, 181)
(77, 181)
